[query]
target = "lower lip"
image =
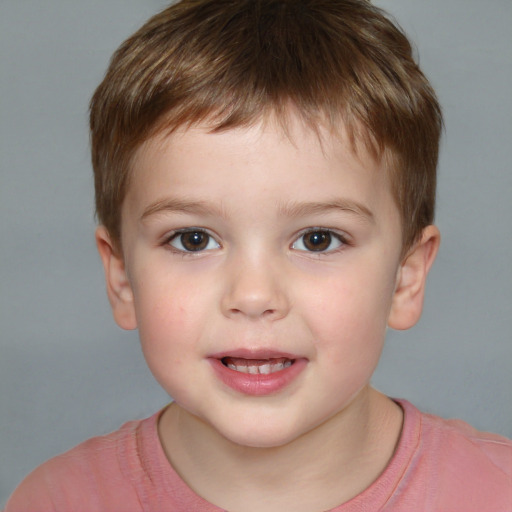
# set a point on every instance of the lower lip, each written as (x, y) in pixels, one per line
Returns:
(258, 384)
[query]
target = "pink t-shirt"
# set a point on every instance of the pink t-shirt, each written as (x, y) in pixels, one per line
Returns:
(439, 465)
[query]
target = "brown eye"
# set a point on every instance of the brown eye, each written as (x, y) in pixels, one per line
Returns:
(318, 240)
(193, 241)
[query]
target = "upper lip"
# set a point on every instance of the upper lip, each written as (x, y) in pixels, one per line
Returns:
(259, 354)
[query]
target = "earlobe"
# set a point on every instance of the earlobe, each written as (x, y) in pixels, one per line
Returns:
(409, 292)
(119, 290)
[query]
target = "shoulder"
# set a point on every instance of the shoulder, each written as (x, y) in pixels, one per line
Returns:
(460, 444)
(87, 477)
(458, 465)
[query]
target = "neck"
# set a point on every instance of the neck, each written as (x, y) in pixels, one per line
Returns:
(319, 470)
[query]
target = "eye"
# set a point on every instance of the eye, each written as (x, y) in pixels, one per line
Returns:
(318, 240)
(193, 240)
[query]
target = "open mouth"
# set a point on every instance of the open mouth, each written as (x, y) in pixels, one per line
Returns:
(257, 373)
(257, 366)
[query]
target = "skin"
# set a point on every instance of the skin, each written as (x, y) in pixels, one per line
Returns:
(257, 286)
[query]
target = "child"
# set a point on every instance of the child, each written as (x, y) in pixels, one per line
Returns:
(265, 185)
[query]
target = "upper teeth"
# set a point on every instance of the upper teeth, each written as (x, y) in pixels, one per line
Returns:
(260, 368)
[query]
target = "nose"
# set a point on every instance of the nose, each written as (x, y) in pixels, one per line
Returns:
(255, 289)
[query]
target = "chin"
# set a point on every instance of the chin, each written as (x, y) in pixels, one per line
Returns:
(260, 435)
(260, 440)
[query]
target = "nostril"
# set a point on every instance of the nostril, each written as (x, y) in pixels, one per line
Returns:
(248, 312)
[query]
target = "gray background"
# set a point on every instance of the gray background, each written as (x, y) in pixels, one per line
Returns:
(67, 372)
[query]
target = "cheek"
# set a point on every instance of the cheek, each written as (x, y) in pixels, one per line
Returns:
(350, 315)
(169, 314)
(169, 324)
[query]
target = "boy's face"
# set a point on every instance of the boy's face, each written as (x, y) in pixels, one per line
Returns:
(260, 271)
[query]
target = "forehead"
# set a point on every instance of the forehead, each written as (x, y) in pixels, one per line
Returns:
(281, 162)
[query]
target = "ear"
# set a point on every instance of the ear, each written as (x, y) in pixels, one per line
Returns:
(407, 302)
(119, 290)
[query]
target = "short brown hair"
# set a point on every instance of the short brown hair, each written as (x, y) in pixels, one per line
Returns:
(229, 62)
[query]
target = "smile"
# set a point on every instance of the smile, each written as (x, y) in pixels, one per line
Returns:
(257, 366)
(258, 373)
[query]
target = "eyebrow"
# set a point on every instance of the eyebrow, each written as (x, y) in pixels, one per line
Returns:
(345, 205)
(175, 205)
(292, 209)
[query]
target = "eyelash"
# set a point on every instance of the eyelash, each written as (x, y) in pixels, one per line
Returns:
(177, 235)
(328, 235)
(333, 236)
